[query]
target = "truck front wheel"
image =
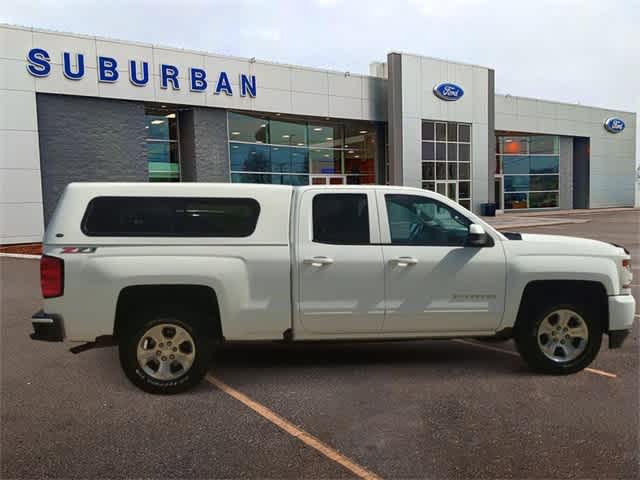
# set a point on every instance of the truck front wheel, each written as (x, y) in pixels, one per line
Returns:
(165, 355)
(559, 339)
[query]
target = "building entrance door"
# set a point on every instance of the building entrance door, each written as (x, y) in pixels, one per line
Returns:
(448, 188)
(327, 179)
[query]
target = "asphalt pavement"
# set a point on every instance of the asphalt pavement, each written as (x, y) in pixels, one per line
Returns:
(425, 409)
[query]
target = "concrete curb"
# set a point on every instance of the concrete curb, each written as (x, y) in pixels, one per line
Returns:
(20, 255)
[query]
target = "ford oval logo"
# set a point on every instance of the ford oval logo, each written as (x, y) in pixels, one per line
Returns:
(614, 124)
(448, 91)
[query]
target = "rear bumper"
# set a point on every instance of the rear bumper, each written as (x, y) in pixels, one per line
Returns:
(47, 327)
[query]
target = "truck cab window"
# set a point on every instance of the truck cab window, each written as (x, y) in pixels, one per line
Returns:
(341, 218)
(416, 220)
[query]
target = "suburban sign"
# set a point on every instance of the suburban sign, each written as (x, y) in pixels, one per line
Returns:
(448, 91)
(614, 124)
(109, 71)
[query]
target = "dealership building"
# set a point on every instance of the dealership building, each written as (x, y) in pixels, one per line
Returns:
(81, 108)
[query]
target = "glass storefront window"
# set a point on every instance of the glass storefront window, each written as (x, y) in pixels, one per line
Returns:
(261, 146)
(325, 161)
(543, 182)
(513, 165)
(428, 151)
(516, 183)
(428, 131)
(543, 199)
(544, 144)
(276, 179)
(515, 201)
(446, 155)
(325, 136)
(513, 145)
(464, 133)
(245, 128)
(544, 164)
(464, 152)
(530, 166)
(288, 133)
(163, 153)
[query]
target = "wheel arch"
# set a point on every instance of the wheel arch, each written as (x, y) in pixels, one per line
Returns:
(168, 298)
(593, 293)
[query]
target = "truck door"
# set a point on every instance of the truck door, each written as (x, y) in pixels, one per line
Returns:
(339, 262)
(434, 283)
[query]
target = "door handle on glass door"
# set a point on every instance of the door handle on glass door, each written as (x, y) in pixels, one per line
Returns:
(318, 261)
(404, 261)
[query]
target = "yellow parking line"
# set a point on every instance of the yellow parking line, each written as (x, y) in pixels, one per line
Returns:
(294, 431)
(509, 352)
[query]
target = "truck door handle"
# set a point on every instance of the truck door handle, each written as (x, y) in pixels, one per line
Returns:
(318, 261)
(404, 261)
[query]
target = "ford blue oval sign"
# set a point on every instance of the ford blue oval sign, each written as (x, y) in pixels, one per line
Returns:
(448, 91)
(614, 124)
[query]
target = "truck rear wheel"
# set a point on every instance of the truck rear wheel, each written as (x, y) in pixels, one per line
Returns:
(165, 355)
(559, 339)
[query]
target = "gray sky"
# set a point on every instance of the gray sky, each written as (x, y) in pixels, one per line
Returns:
(582, 51)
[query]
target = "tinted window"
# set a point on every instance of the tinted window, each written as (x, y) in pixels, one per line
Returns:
(341, 218)
(170, 217)
(415, 220)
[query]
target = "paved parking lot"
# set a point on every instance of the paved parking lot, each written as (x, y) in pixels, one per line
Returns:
(429, 409)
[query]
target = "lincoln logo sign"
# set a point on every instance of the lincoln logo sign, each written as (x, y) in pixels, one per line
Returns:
(448, 91)
(109, 71)
(614, 125)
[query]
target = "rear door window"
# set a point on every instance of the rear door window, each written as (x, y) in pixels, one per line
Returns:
(341, 218)
(170, 217)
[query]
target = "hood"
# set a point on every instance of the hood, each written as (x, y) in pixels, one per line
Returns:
(571, 245)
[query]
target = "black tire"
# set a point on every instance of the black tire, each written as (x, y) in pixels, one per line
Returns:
(526, 338)
(132, 338)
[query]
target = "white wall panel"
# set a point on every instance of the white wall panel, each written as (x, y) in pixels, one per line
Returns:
(56, 82)
(15, 42)
(310, 81)
(19, 149)
(345, 107)
(272, 100)
(310, 104)
(20, 186)
(14, 76)
(345, 86)
(272, 76)
(21, 223)
(18, 110)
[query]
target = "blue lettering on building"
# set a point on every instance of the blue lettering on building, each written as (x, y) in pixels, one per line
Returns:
(169, 73)
(107, 70)
(138, 81)
(247, 85)
(73, 68)
(223, 85)
(67, 67)
(448, 91)
(39, 62)
(198, 82)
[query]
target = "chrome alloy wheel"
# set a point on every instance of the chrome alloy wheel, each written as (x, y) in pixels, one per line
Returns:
(563, 335)
(166, 352)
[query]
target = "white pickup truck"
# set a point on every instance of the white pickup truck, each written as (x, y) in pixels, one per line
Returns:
(167, 271)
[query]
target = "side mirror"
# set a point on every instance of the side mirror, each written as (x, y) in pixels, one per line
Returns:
(477, 236)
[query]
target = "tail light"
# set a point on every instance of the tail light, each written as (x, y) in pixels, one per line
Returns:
(51, 276)
(626, 265)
